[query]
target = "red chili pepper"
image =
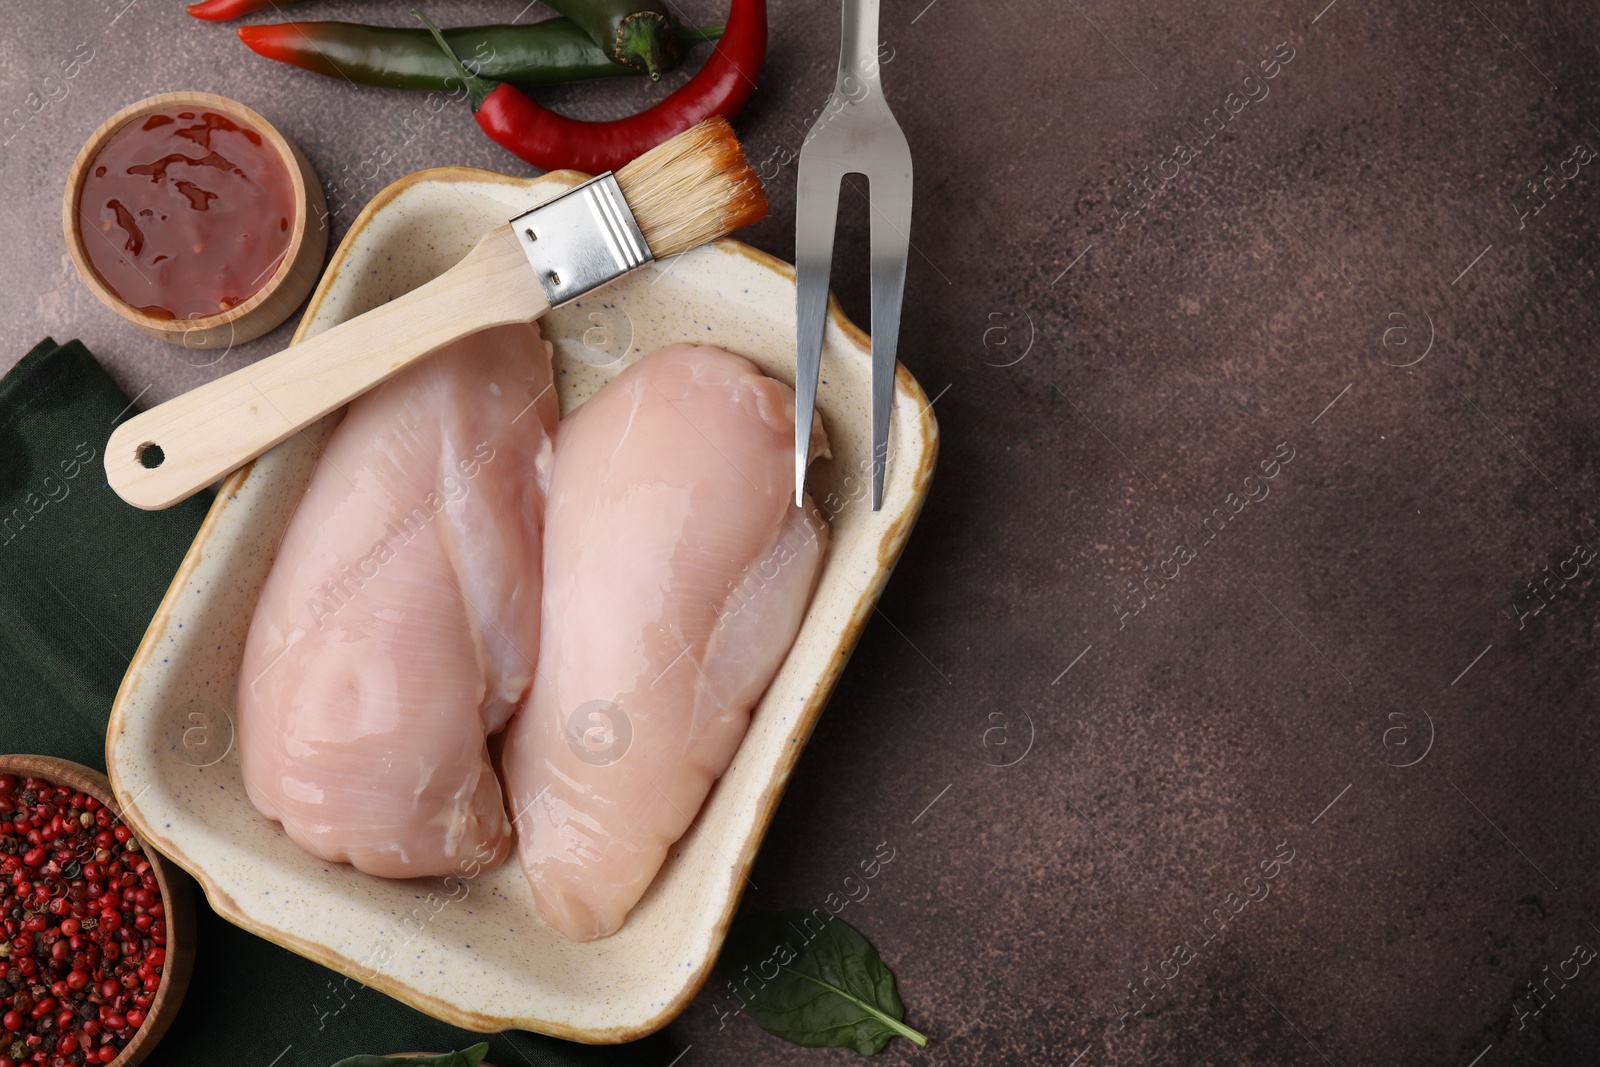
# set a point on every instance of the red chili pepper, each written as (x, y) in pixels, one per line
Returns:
(539, 136)
(222, 10)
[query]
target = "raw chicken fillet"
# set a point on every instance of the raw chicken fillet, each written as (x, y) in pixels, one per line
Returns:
(399, 626)
(677, 572)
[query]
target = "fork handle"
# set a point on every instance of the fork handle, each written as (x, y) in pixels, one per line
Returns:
(858, 50)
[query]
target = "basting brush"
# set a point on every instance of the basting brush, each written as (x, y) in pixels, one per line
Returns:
(695, 188)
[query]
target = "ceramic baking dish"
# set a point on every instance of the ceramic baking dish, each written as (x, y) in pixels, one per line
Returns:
(472, 951)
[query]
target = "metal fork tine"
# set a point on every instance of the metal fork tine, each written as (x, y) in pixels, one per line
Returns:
(891, 240)
(816, 212)
(855, 134)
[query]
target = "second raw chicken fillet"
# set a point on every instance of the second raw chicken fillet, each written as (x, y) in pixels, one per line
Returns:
(677, 572)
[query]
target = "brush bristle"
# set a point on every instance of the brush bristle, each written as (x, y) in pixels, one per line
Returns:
(692, 189)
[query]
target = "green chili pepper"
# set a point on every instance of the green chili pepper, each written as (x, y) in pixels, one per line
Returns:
(635, 33)
(642, 35)
(555, 50)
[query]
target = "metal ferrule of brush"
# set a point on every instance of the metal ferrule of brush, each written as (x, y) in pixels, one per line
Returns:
(582, 239)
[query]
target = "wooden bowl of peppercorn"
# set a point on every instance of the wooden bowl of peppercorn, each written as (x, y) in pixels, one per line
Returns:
(86, 843)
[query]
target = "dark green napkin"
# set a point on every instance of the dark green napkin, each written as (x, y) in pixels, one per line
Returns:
(81, 574)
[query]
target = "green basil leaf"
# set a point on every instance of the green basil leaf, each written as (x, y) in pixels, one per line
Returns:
(467, 1057)
(811, 979)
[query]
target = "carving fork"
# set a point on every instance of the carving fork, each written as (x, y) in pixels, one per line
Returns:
(855, 134)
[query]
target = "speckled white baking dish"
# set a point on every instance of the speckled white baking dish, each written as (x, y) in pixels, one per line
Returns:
(473, 952)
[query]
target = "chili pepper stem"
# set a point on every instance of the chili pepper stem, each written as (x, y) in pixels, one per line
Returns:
(478, 88)
(642, 39)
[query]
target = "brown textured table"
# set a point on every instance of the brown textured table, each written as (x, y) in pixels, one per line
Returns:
(1339, 661)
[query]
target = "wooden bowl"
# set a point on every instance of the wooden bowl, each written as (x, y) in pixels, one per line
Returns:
(175, 897)
(269, 305)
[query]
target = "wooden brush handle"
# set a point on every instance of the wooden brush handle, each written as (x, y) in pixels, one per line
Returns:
(212, 430)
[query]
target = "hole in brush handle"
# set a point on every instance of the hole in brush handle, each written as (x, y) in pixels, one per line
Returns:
(150, 455)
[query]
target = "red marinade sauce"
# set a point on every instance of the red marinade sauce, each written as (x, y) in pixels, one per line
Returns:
(186, 213)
